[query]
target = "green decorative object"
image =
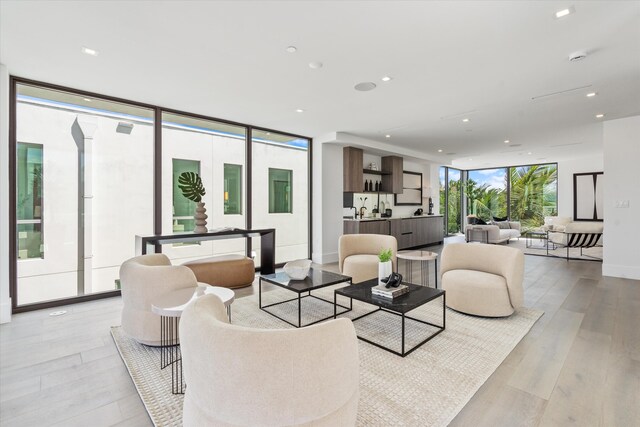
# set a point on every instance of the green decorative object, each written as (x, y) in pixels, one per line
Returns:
(385, 255)
(191, 185)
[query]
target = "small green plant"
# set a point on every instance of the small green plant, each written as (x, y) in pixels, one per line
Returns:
(385, 255)
(191, 185)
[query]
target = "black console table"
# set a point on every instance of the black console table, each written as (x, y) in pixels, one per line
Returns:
(267, 243)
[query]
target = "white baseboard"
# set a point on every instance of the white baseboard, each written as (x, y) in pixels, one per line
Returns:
(623, 271)
(5, 312)
(325, 258)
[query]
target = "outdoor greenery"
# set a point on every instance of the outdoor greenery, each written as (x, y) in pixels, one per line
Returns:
(533, 196)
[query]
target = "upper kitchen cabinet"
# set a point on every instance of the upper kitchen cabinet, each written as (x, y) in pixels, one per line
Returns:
(352, 170)
(392, 183)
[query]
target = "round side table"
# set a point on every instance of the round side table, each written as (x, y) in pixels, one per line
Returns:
(424, 257)
(169, 307)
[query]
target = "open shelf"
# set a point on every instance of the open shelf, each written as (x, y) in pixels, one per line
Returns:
(374, 172)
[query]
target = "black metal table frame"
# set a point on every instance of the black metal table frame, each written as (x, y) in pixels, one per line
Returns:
(267, 243)
(541, 236)
(170, 352)
(299, 298)
(402, 353)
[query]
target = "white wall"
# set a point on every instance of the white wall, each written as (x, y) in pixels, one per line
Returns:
(621, 231)
(5, 299)
(566, 169)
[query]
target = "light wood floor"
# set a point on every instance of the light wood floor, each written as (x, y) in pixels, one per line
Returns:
(579, 365)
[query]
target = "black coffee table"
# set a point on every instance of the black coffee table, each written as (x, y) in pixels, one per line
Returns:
(316, 279)
(416, 297)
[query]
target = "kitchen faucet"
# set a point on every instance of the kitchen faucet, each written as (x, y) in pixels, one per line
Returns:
(362, 209)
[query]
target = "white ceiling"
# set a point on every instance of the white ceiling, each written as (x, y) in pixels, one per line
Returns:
(449, 60)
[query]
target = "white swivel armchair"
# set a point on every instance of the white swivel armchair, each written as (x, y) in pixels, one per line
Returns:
(143, 278)
(483, 280)
(358, 255)
(239, 376)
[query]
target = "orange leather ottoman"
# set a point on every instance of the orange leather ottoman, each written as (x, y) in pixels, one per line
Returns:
(228, 271)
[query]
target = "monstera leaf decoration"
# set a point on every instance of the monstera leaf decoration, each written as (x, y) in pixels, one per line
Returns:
(191, 185)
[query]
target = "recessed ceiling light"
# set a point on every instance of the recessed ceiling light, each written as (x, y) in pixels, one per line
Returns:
(89, 51)
(599, 116)
(315, 65)
(439, 151)
(387, 79)
(591, 94)
(86, 99)
(365, 86)
(387, 136)
(529, 153)
(506, 141)
(291, 49)
(299, 110)
(465, 120)
(470, 159)
(564, 12)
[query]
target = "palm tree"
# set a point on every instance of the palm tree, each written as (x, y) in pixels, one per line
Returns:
(533, 193)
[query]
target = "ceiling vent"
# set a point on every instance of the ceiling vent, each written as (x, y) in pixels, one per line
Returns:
(365, 86)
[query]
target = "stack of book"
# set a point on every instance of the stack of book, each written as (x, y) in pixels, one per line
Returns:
(384, 292)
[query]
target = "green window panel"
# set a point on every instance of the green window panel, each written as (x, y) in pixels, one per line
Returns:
(232, 189)
(183, 208)
(280, 190)
(29, 201)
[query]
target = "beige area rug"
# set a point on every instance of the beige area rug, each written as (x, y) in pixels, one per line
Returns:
(428, 387)
(537, 247)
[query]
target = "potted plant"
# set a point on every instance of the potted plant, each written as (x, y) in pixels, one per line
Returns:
(385, 267)
(191, 185)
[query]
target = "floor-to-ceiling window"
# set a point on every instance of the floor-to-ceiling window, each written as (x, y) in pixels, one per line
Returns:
(533, 193)
(280, 192)
(454, 201)
(92, 172)
(216, 152)
(486, 193)
(84, 189)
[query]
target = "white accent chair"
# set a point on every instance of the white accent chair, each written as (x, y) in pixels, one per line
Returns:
(492, 233)
(358, 255)
(483, 280)
(580, 234)
(239, 376)
(143, 278)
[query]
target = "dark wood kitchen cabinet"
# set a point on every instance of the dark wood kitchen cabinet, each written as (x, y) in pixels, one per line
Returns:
(353, 178)
(366, 227)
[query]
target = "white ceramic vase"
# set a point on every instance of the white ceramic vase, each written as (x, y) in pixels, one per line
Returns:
(384, 270)
(201, 218)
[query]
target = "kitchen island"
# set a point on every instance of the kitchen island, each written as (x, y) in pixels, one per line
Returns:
(411, 231)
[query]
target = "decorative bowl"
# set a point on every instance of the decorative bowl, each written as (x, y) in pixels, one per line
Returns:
(298, 270)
